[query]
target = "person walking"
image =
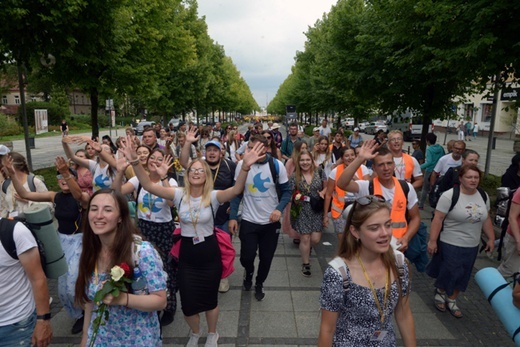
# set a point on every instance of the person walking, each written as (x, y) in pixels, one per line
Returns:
(433, 153)
(367, 283)
(308, 182)
(462, 212)
(261, 213)
(199, 257)
(475, 131)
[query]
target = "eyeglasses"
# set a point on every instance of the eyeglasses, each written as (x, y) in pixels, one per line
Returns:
(268, 137)
(199, 170)
(396, 139)
(458, 148)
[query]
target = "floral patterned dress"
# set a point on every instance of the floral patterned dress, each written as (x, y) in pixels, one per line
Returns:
(308, 221)
(127, 327)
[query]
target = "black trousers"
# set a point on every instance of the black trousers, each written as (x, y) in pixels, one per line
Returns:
(263, 238)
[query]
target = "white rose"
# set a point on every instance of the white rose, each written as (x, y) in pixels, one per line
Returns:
(116, 273)
(298, 197)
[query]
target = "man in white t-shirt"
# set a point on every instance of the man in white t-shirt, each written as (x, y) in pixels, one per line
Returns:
(406, 167)
(452, 159)
(325, 129)
(24, 295)
(261, 212)
(385, 184)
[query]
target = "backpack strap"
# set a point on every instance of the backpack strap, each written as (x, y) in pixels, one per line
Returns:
(404, 186)
(7, 237)
(30, 182)
(5, 184)
(273, 167)
(455, 197)
(339, 265)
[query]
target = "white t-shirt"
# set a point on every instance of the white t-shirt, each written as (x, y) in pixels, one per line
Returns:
(400, 170)
(260, 198)
(151, 207)
(191, 210)
(101, 177)
(348, 196)
(475, 128)
(16, 295)
(445, 162)
(325, 131)
(388, 194)
(463, 224)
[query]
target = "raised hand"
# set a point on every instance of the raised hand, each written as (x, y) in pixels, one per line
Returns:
(128, 149)
(121, 161)
(369, 150)
(95, 145)
(166, 164)
(8, 165)
(191, 135)
(61, 165)
(254, 154)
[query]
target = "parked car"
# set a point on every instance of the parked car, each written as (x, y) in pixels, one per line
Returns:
(349, 123)
(362, 126)
(374, 127)
(141, 125)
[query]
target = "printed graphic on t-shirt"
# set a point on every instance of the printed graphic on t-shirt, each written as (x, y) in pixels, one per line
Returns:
(259, 184)
(474, 212)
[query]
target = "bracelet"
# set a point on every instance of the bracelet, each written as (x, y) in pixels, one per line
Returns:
(164, 178)
(245, 169)
(46, 316)
(127, 296)
(134, 162)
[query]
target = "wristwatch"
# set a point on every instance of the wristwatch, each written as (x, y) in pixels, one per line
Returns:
(46, 316)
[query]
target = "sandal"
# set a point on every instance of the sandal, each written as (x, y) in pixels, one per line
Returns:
(454, 309)
(440, 300)
(306, 270)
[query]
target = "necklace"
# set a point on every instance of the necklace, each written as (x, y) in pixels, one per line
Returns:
(385, 300)
(194, 214)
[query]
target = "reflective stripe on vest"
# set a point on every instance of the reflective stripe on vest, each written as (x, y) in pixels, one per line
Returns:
(399, 206)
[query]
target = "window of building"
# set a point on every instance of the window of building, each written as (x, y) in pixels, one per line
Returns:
(468, 111)
(4, 99)
(17, 99)
(486, 112)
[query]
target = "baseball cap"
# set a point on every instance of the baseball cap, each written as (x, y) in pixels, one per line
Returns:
(315, 129)
(275, 126)
(356, 129)
(213, 143)
(4, 150)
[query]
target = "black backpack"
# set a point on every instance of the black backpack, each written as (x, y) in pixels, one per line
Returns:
(441, 185)
(7, 239)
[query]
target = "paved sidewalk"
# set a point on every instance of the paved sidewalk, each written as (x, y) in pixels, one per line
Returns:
(289, 314)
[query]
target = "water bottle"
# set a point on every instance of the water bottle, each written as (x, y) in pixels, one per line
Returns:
(139, 283)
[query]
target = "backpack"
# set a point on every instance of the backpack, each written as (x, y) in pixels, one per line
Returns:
(441, 185)
(503, 206)
(339, 265)
(30, 183)
(7, 239)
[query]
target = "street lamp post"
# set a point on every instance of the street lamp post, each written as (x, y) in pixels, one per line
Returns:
(24, 114)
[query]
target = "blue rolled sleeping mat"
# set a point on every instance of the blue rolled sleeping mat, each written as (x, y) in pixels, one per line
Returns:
(500, 295)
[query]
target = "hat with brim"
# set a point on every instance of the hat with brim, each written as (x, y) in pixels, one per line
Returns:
(213, 143)
(275, 126)
(315, 129)
(4, 150)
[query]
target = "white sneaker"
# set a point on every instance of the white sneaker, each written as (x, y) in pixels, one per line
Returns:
(211, 340)
(194, 340)
(223, 286)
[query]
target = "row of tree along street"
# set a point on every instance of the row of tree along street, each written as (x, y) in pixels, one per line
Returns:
(367, 58)
(144, 54)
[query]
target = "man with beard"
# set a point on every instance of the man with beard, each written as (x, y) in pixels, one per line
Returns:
(223, 172)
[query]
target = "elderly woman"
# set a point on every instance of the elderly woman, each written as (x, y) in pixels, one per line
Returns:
(462, 212)
(200, 267)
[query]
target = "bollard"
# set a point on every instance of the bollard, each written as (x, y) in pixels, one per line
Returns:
(494, 145)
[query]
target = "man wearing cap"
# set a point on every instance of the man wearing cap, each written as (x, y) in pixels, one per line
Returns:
(277, 134)
(355, 139)
(314, 139)
(223, 172)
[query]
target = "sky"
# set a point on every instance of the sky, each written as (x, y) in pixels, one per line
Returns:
(262, 37)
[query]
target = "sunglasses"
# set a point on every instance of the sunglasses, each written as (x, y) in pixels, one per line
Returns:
(362, 201)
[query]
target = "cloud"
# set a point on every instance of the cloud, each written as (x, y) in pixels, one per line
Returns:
(262, 37)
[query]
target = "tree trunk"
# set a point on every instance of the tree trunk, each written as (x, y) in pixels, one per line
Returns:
(94, 107)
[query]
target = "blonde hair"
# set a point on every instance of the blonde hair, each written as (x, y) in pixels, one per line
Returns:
(328, 152)
(297, 169)
(208, 185)
(393, 132)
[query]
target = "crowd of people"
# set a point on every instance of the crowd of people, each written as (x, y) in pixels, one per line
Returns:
(119, 202)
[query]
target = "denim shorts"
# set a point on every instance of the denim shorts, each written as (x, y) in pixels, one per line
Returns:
(19, 333)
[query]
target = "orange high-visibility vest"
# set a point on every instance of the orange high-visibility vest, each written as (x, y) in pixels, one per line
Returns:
(399, 207)
(338, 196)
(408, 166)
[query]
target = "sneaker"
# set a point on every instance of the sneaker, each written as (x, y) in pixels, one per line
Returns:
(248, 281)
(259, 292)
(211, 340)
(223, 286)
(167, 318)
(78, 326)
(194, 340)
(306, 270)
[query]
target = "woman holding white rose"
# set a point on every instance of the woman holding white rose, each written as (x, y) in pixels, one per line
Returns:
(110, 238)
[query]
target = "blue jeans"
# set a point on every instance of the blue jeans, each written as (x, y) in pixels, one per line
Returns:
(18, 334)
